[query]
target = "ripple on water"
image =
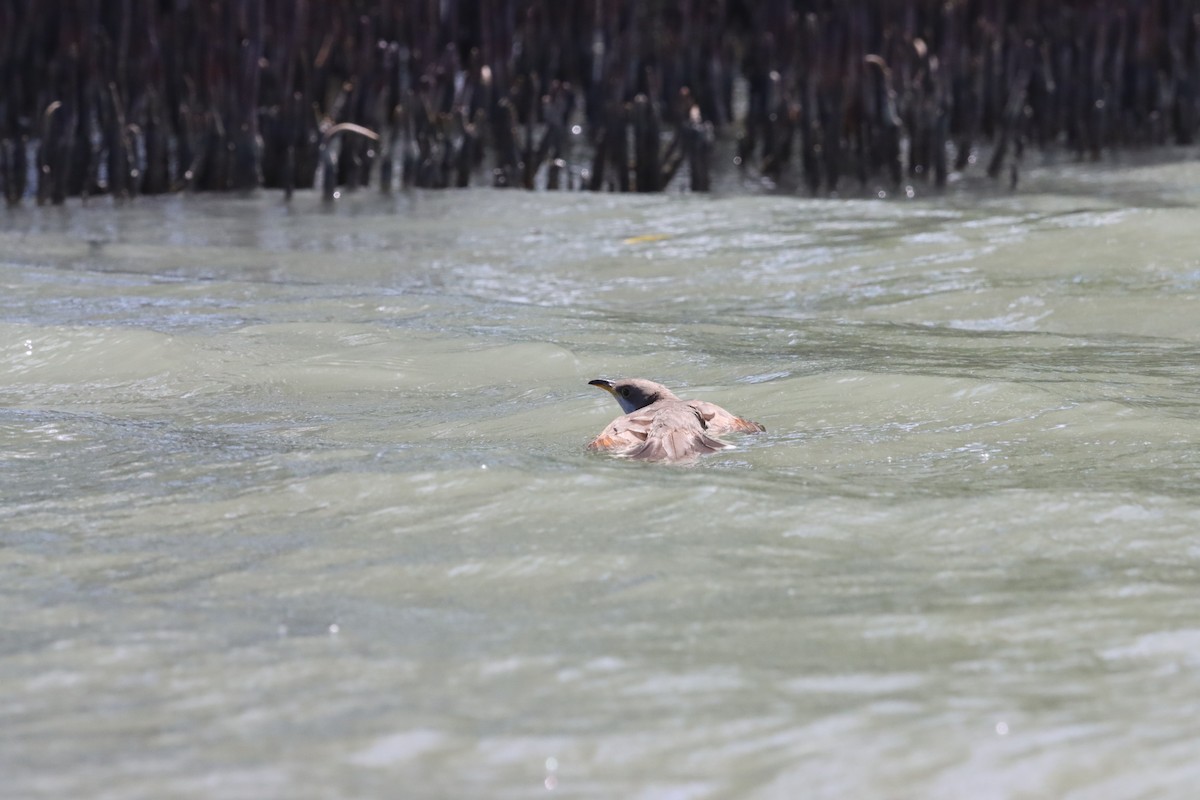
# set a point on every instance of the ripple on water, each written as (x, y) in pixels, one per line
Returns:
(244, 496)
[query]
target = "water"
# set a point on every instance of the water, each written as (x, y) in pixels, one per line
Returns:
(294, 501)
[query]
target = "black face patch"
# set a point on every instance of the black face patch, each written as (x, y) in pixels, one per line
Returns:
(636, 397)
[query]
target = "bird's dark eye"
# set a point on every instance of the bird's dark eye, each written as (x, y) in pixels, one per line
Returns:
(624, 391)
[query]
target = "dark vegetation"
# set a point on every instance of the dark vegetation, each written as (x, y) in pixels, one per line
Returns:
(150, 96)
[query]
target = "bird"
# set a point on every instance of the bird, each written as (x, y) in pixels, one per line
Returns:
(660, 426)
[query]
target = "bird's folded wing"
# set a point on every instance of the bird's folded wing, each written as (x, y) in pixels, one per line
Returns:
(677, 435)
(720, 421)
(624, 433)
(659, 432)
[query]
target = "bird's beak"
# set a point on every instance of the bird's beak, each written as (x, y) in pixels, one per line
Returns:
(603, 384)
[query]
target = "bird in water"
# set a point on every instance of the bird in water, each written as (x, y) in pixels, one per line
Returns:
(658, 426)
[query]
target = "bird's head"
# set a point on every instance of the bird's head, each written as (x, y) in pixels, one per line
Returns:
(634, 393)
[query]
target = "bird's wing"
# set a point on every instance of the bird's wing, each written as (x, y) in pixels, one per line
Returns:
(624, 433)
(720, 421)
(663, 431)
(677, 434)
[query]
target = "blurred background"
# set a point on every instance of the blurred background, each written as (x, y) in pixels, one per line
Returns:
(152, 96)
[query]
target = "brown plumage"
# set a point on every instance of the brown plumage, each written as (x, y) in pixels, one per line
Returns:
(658, 426)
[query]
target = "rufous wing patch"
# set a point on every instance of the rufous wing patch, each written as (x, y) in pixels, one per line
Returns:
(605, 442)
(746, 426)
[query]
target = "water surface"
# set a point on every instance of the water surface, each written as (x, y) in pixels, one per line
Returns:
(294, 501)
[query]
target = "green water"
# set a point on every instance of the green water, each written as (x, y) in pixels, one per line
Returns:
(294, 501)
